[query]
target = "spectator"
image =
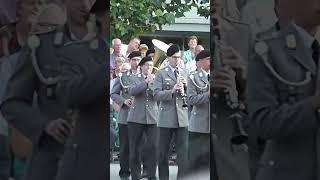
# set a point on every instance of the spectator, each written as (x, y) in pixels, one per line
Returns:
(198, 49)
(116, 46)
(189, 55)
(143, 48)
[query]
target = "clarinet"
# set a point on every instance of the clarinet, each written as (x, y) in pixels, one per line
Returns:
(182, 93)
(239, 136)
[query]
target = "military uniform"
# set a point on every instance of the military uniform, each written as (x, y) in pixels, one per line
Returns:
(173, 119)
(199, 123)
(29, 77)
(232, 161)
(119, 94)
(255, 143)
(282, 106)
(142, 117)
(83, 64)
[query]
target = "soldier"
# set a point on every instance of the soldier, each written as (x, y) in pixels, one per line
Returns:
(170, 87)
(283, 94)
(119, 94)
(232, 48)
(83, 64)
(34, 74)
(199, 123)
(142, 119)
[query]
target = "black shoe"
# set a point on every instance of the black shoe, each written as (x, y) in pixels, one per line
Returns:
(124, 178)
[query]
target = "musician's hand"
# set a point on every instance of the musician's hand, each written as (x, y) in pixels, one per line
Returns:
(224, 79)
(232, 58)
(177, 87)
(183, 80)
(128, 102)
(150, 78)
(59, 129)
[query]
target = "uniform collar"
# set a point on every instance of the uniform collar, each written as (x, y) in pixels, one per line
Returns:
(307, 39)
(204, 72)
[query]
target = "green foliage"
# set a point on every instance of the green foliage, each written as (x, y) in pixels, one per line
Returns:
(129, 18)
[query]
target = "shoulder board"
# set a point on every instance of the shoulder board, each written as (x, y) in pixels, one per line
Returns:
(43, 30)
(269, 34)
(232, 20)
(267, 37)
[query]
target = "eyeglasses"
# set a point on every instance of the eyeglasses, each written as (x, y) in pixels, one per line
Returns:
(135, 59)
(176, 57)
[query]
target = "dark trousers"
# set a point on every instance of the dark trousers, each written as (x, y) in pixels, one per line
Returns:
(199, 152)
(124, 151)
(5, 160)
(181, 144)
(144, 151)
(136, 131)
(44, 160)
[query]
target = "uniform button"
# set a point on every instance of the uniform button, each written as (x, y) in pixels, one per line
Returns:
(194, 113)
(177, 104)
(147, 100)
(132, 107)
(271, 163)
(147, 105)
(161, 108)
(75, 146)
(177, 98)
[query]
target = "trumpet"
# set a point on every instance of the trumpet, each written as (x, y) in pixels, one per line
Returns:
(183, 91)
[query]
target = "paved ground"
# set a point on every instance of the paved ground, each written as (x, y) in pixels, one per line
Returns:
(114, 172)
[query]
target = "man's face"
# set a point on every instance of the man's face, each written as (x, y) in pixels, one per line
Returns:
(134, 44)
(117, 46)
(204, 63)
(79, 10)
(134, 62)
(147, 67)
(192, 43)
(175, 59)
(28, 10)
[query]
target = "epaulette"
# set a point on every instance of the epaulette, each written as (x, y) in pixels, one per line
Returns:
(193, 72)
(38, 29)
(268, 34)
(232, 20)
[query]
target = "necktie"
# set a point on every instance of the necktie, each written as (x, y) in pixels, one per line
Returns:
(176, 73)
(315, 51)
(208, 77)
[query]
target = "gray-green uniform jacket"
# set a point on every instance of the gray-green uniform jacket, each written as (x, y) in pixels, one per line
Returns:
(282, 106)
(198, 97)
(119, 94)
(144, 109)
(171, 114)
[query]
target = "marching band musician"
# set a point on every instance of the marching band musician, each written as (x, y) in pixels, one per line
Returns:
(142, 118)
(119, 94)
(199, 125)
(233, 48)
(170, 82)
